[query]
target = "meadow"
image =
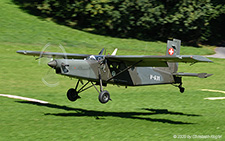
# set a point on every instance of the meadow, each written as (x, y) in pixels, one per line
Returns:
(135, 113)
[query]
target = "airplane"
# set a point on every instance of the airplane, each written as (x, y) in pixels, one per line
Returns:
(124, 70)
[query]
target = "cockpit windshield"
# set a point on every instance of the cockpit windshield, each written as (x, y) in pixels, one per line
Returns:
(92, 57)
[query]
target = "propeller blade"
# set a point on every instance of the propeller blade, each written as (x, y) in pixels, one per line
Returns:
(50, 78)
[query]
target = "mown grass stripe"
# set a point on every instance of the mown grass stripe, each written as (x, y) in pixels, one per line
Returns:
(24, 98)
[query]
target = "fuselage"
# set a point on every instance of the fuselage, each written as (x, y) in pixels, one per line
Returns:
(89, 69)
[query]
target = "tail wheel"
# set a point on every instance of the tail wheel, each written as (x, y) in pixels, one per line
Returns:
(72, 94)
(182, 89)
(104, 97)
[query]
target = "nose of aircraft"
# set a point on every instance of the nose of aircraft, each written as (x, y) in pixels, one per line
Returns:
(52, 64)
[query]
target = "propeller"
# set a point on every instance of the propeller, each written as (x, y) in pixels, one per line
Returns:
(49, 76)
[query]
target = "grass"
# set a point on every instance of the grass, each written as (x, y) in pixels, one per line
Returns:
(136, 113)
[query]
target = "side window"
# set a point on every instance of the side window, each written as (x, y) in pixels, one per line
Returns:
(92, 57)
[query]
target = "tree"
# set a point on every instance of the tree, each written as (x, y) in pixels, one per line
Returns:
(192, 21)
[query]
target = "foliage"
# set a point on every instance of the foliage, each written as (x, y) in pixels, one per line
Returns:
(193, 21)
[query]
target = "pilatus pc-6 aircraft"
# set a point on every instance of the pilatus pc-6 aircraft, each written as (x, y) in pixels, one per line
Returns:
(125, 70)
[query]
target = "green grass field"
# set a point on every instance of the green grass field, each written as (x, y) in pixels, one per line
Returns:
(136, 113)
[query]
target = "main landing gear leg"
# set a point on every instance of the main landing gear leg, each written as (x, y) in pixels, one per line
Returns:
(104, 95)
(72, 94)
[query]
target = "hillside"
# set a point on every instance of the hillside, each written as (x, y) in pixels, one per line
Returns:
(17, 26)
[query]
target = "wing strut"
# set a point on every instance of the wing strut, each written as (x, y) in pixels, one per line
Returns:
(123, 70)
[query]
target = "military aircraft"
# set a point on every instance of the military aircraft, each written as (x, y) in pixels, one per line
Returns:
(125, 70)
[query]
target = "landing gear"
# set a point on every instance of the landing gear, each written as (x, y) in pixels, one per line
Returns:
(181, 88)
(72, 94)
(104, 97)
(178, 80)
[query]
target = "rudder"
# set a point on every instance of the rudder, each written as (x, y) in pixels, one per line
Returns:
(173, 49)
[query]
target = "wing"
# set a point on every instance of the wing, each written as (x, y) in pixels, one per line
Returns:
(156, 61)
(53, 54)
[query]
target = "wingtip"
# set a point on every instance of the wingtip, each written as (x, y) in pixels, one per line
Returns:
(21, 51)
(204, 75)
(208, 75)
(211, 61)
(202, 58)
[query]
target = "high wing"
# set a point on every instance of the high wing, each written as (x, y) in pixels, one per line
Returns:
(53, 54)
(134, 60)
(155, 61)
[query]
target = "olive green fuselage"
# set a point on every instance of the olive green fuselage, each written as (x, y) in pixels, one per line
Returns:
(134, 76)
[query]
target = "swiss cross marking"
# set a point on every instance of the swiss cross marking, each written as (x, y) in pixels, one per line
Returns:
(171, 51)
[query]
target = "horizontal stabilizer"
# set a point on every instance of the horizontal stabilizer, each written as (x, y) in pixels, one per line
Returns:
(200, 75)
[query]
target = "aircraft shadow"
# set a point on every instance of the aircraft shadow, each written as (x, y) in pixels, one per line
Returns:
(78, 112)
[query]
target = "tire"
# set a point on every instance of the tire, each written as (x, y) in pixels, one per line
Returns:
(182, 90)
(104, 97)
(72, 94)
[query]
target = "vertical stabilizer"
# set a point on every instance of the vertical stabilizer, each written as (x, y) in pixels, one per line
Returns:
(173, 49)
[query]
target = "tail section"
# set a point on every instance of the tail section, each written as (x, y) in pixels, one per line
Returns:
(173, 49)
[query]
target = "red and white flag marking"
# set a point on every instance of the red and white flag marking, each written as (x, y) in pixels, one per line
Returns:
(171, 51)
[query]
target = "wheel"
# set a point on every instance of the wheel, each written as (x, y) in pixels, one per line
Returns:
(182, 89)
(104, 97)
(72, 94)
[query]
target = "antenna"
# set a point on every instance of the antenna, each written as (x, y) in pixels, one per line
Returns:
(114, 52)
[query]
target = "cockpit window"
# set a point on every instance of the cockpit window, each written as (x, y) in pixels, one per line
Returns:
(99, 58)
(92, 57)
